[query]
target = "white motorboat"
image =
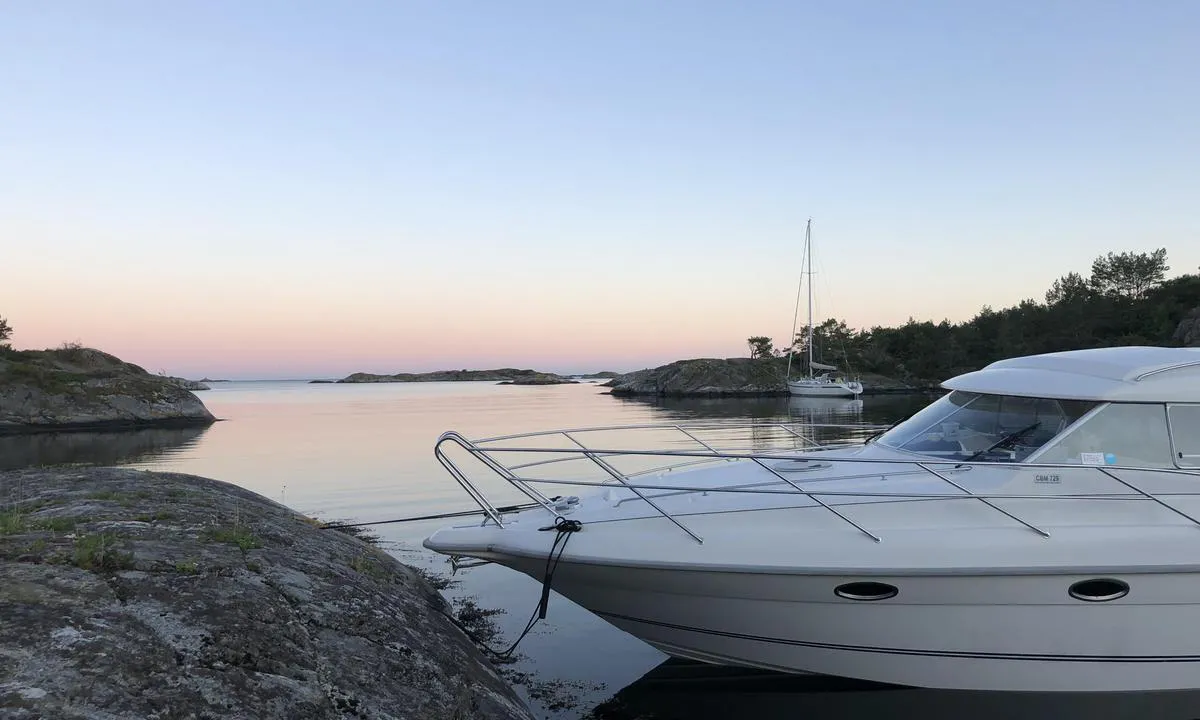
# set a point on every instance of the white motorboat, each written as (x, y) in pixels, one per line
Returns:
(1035, 528)
(827, 383)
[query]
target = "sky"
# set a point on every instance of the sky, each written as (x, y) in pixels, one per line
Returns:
(292, 188)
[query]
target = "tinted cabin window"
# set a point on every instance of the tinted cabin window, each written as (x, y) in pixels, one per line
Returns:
(1185, 434)
(962, 424)
(1119, 434)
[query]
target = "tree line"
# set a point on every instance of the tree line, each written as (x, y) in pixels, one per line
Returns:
(1126, 300)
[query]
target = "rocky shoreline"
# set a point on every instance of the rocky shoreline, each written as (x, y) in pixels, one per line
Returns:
(731, 377)
(85, 389)
(699, 377)
(142, 594)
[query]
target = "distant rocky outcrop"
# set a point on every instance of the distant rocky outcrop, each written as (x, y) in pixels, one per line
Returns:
(78, 387)
(128, 594)
(509, 375)
(192, 385)
(729, 377)
(1188, 331)
(539, 379)
(602, 375)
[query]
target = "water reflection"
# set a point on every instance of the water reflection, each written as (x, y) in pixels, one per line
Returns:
(711, 408)
(873, 409)
(803, 409)
(95, 448)
(683, 690)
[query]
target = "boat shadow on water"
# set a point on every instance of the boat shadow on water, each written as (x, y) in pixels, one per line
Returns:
(688, 690)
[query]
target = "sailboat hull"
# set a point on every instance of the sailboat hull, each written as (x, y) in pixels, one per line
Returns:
(824, 389)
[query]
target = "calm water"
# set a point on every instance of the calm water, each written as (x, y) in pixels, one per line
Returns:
(365, 452)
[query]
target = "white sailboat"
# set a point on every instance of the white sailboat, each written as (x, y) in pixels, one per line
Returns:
(828, 383)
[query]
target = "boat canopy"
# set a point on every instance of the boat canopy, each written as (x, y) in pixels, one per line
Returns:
(1116, 374)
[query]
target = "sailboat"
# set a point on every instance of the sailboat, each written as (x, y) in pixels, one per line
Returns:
(828, 383)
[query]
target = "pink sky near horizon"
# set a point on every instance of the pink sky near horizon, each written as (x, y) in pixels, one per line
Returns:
(271, 190)
(246, 309)
(214, 327)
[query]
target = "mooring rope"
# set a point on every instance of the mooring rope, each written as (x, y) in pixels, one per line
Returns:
(563, 529)
(439, 516)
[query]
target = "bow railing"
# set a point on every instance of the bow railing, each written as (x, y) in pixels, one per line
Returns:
(566, 459)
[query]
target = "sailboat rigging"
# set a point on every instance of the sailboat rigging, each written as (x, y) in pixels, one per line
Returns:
(826, 384)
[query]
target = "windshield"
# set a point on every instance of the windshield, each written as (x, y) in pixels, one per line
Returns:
(995, 428)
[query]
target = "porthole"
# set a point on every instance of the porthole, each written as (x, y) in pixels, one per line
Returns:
(1098, 590)
(866, 591)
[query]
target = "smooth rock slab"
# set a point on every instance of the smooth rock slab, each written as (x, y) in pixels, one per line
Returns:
(128, 594)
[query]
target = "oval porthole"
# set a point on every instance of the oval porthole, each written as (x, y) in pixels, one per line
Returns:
(1098, 590)
(866, 591)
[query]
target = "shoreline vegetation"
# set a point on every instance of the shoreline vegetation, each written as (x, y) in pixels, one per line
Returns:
(1126, 300)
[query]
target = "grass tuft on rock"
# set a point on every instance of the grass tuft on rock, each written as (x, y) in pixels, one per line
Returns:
(101, 553)
(58, 524)
(239, 535)
(12, 522)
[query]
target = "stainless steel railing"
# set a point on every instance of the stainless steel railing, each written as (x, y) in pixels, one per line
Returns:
(484, 450)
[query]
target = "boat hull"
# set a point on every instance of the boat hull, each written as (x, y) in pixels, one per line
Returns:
(830, 389)
(978, 632)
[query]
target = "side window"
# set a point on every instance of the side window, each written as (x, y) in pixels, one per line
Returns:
(1119, 434)
(1185, 434)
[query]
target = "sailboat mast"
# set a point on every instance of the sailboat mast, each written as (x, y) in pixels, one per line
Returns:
(808, 248)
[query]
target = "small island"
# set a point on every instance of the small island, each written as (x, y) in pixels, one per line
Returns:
(80, 388)
(504, 376)
(539, 378)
